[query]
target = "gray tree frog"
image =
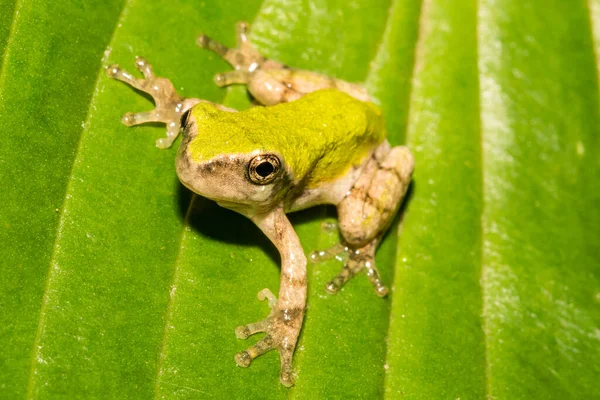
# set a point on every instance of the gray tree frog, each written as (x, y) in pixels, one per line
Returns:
(318, 140)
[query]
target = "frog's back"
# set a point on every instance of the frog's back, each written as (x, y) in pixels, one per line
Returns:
(320, 136)
(324, 133)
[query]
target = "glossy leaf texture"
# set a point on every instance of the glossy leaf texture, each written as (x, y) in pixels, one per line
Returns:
(116, 282)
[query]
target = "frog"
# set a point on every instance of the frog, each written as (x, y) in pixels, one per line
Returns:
(310, 140)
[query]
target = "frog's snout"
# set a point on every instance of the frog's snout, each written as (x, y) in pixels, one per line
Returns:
(184, 166)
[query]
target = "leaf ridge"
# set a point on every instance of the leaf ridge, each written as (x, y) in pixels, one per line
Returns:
(53, 267)
(417, 50)
(594, 13)
(9, 40)
(172, 291)
(374, 65)
(483, 277)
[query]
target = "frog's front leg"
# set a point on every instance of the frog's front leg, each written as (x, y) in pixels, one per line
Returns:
(367, 211)
(271, 82)
(283, 324)
(169, 105)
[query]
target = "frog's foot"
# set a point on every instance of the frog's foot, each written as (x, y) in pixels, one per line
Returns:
(245, 59)
(281, 328)
(355, 261)
(169, 105)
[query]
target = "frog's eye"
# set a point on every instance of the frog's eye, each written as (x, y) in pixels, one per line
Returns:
(184, 119)
(264, 169)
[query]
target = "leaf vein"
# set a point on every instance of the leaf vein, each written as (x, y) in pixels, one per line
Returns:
(483, 277)
(53, 267)
(9, 41)
(172, 292)
(373, 67)
(416, 51)
(594, 13)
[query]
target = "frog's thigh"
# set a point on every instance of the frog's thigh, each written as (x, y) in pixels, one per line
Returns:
(281, 85)
(270, 88)
(375, 197)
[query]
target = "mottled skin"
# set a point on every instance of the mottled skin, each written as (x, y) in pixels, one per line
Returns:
(322, 142)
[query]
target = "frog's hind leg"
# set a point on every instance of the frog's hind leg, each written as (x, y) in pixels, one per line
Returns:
(367, 211)
(244, 59)
(169, 105)
(271, 82)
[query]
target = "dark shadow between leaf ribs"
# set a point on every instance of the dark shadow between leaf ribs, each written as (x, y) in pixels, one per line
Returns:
(222, 224)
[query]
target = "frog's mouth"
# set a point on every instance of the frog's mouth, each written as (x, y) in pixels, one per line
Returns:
(222, 179)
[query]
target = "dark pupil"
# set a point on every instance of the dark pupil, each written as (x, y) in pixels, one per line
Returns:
(184, 118)
(264, 169)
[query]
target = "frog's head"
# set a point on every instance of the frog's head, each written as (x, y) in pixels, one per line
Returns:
(220, 160)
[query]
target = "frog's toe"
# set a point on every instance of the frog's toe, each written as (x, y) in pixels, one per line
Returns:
(112, 70)
(242, 58)
(281, 330)
(172, 133)
(356, 260)
(287, 375)
(318, 256)
(244, 358)
(375, 279)
(116, 72)
(128, 119)
(271, 341)
(243, 29)
(144, 67)
(230, 78)
(131, 119)
(334, 285)
(206, 42)
(245, 331)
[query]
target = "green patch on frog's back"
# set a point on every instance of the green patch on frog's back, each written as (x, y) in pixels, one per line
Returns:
(320, 136)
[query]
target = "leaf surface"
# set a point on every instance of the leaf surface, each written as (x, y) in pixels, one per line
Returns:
(116, 282)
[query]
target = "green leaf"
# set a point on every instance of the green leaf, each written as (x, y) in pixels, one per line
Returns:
(116, 282)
